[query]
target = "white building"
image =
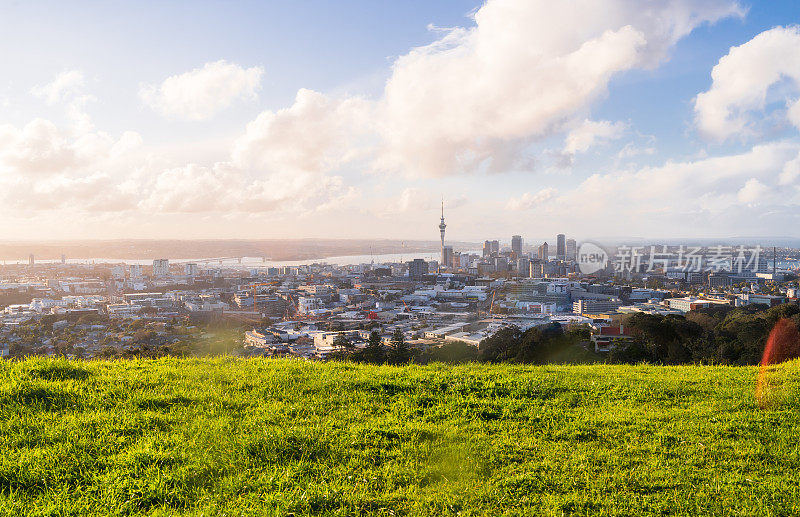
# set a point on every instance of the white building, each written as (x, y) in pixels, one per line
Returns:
(307, 304)
(123, 310)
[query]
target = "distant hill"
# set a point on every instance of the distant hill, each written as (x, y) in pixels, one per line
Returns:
(288, 437)
(276, 249)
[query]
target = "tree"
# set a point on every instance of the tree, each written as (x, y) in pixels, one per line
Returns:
(452, 352)
(342, 343)
(502, 345)
(399, 353)
(374, 352)
(631, 352)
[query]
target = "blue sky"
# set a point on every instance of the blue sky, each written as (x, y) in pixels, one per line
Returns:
(353, 119)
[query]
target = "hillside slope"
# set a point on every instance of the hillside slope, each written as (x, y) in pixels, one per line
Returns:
(250, 437)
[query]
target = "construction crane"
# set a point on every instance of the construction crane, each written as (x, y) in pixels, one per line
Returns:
(491, 304)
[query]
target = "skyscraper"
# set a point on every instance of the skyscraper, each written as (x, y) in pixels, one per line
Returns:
(161, 267)
(516, 245)
(544, 252)
(523, 267)
(447, 256)
(487, 248)
(417, 269)
(561, 247)
(572, 249)
(495, 247)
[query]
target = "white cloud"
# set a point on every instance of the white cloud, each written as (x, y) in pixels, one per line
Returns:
(742, 81)
(314, 135)
(202, 92)
(591, 132)
(40, 148)
(534, 77)
(475, 99)
(631, 150)
(65, 85)
(45, 168)
(527, 200)
(753, 192)
(225, 188)
(67, 89)
(412, 199)
(790, 172)
(683, 196)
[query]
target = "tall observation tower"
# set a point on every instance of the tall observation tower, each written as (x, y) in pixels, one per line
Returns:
(442, 226)
(447, 251)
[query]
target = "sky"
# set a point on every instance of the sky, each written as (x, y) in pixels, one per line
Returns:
(356, 119)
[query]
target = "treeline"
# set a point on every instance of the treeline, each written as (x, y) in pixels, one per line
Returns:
(538, 345)
(722, 335)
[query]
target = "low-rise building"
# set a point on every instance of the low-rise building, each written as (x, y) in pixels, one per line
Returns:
(607, 337)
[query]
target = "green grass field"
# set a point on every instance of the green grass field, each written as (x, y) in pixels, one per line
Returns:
(276, 437)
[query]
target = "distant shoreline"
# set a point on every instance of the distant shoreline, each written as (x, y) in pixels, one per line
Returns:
(272, 250)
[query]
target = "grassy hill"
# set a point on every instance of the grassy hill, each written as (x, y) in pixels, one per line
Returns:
(236, 437)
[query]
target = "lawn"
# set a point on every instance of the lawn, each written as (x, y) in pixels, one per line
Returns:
(276, 437)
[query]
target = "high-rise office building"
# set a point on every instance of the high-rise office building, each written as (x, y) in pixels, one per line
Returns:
(544, 252)
(561, 247)
(190, 269)
(523, 267)
(495, 247)
(447, 256)
(160, 267)
(572, 249)
(516, 245)
(487, 248)
(417, 269)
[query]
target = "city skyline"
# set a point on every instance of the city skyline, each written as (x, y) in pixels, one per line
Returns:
(308, 120)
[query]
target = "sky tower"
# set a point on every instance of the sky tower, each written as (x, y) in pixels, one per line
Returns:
(442, 226)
